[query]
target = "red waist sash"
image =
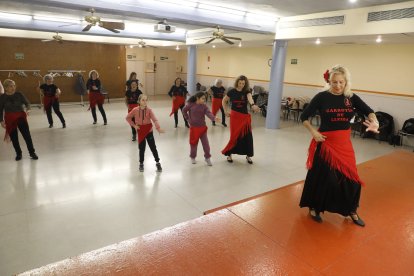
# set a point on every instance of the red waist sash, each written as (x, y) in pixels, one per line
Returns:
(176, 103)
(240, 125)
(216, 104)
(131, 106)
(143, 131)
(48, 101)
(338, 152)
(11, 119)
(95, 98)
(195, 134)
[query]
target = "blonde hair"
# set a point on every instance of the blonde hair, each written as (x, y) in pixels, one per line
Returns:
(8, 82)
(141, 96)
(340, 70)
(93, 71)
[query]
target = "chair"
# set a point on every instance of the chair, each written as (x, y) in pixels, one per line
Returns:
(407, 130)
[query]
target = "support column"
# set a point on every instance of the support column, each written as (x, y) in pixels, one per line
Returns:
(192, 69)
(277, 74)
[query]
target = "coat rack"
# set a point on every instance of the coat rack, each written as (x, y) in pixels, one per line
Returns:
(67, 73)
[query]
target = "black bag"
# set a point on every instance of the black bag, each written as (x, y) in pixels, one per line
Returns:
(408, 126)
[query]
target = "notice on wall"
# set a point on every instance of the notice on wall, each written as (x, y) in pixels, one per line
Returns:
(18, 55)
(294, 61)
(163, 58)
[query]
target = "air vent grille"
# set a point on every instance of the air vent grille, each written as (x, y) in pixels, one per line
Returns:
(391, 14)
(334, 20)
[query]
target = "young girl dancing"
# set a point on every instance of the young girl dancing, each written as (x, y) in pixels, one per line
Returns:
(194, 112)
(140, 118)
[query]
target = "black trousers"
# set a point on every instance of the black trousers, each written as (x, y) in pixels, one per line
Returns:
(176, 116)
(100, 107)
(56, 108)
(151, 143)
(223, 116)
(133, 130)
(23, 126)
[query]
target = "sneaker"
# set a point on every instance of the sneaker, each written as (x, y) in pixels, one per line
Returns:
(208, 161)
(224, 124)
(105, 123)
(193, 161)
(64, 125)
(94, 122)
(141, 167)
(51, 125)
(34, 156)
(18, 157)
(134, 138)
(159, 168)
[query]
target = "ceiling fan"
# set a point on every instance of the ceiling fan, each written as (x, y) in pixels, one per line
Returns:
(56, 37)
(143, 44)
(219, 34)
(94, 20)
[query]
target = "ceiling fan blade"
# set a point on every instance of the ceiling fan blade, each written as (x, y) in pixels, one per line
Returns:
(230, 37)
(112, 30)
(46, 40)
(226, 40)
(87, 28)
(112, 25)
(210, 40)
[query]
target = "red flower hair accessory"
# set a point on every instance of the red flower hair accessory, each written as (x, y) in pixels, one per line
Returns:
(326, 76)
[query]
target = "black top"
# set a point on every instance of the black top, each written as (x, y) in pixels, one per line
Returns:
(91, 83)
(128, 83)
(335, 110)
(49, 90)
(12, 103)
(238, 100)
(178, 91)
(218, 92)
(132, 97)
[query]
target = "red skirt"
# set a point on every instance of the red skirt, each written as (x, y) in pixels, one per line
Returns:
(131, 106)
(143, 132)
(48, 101)
(216, 104)
(240, 125)
(176, 103)
(337, 152)
(11, 119)
(95, 98)
(196, 133)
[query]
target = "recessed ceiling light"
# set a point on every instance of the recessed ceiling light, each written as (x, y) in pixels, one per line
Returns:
(177, 48)
(214, 46)
(240, 44)
(353, 1)
(318, 41)
(379, 39)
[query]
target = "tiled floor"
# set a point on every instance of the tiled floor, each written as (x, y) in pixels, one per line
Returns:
(270, 235)
(85, 191)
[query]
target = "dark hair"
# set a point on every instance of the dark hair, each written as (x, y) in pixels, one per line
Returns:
(196, 96)
(130, 75)
(246, 87)
(178, 79)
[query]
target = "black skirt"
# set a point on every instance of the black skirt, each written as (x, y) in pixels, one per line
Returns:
(327, 189)
(244, 146)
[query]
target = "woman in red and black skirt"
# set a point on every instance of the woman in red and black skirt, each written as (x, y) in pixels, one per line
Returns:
(15, 117)
(332, 183)
(217, 92)
(51, 93)
(95, 96)
(241, 138)
(178, 93)
(131, 100)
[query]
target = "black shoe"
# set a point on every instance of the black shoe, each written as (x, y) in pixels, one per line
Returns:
(224, 124)
(51, 125)
(249, 160)
(159, 168)
(141, 167)
(229, 159)
(64, 125)
(105, 123)
(315, 215)
(34, 156)
(358, 221)
(134, 138)
(214, 123)
(176, 125)
(18, 157)
(187, 126)
(94, 122)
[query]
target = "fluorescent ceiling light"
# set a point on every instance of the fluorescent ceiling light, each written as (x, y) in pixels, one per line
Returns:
(55, 19)
(265, 16)
(222, 10)
(15, 16)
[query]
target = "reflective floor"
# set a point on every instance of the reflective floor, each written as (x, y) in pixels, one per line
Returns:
(86, 192)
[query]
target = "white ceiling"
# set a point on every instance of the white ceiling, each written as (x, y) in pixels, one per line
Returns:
(134, 12)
